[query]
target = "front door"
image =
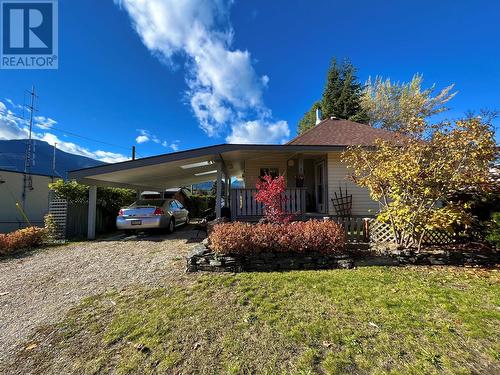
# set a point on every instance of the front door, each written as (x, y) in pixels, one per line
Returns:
(320, 186)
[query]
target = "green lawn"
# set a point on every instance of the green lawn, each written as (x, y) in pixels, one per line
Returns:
(368, 320)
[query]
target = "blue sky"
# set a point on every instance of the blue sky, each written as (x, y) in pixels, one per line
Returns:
(167, 77)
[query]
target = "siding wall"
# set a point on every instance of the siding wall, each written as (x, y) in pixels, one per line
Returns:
(337, 174)
(253, 166)
(37, 201)
(362, 204)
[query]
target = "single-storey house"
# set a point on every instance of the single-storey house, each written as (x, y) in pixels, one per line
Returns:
(317, 182)
(20, 207)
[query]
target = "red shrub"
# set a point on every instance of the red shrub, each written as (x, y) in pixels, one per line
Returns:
(21, 239)
(298, 237)
(271, 194)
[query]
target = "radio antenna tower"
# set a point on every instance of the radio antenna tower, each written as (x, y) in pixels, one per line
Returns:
(28, 158)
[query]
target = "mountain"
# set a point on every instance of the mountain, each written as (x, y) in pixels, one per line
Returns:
(12, 158)
(207, 186)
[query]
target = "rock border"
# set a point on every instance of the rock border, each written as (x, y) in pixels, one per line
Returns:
(203, 259)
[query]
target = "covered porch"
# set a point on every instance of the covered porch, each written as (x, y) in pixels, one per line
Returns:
(306, 188)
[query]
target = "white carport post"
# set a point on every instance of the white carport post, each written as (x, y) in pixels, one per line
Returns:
(218, 193)
(92, 212)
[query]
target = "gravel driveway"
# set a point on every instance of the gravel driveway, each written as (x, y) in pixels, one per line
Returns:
(39, 288)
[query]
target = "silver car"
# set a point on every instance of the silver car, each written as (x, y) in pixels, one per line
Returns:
(152, 214)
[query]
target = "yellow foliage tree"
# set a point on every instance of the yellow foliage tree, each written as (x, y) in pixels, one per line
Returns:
(415, 176)
(393, 106)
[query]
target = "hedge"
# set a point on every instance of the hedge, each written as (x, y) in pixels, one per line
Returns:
(298, 237)
(21, 239)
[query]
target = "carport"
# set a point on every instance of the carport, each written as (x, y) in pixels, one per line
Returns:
(157, 173)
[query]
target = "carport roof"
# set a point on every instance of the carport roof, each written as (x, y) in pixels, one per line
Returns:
(184, 167)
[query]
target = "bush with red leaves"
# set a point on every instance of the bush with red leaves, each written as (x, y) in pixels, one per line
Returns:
(21, 239)
(271, 194)
(238, 238)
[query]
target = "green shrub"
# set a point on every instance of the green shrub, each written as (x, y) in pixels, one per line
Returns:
(109, 199)
(52, 230)
(325, 237)
(26, 238)
(493, 230)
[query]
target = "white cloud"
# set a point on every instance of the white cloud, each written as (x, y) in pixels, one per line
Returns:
(142, 139)
(146, 136)
(259, 132)
(174, 146)
(12, 104)
(110, 157)
(44, 122)
(223, 86)
(13, 127)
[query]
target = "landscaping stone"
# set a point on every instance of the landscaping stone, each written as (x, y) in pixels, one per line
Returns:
(202, 259)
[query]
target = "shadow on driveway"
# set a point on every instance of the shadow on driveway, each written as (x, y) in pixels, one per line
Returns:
(186, 232)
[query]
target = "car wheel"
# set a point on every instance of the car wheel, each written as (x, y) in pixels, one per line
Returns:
(171, 226)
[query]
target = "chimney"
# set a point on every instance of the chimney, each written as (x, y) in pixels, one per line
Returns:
(318, 115)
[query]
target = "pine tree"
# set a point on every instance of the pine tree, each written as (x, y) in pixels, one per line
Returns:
(309, 119)
(342, 93)
(341, 97)
(332, 91)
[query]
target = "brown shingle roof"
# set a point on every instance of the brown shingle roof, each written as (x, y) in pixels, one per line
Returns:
(336, 132)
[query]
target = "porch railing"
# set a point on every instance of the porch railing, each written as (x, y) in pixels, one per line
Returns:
(245, 207)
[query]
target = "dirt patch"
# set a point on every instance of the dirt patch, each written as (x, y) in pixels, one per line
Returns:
(40, 288)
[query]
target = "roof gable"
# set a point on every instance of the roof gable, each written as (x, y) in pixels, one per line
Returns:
(337, 132)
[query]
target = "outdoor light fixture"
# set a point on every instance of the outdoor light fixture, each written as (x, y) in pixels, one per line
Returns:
(196, 165)
(205, 173)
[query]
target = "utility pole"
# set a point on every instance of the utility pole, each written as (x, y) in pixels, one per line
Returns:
(133, 152)
(27, 181)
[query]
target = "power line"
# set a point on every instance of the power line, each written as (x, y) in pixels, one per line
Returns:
(74, 134)
(88, 138)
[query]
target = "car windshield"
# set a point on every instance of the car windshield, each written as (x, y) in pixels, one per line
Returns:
(149, 202)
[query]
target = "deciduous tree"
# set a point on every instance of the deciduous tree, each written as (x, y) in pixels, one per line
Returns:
(394, 106)
(415, 177)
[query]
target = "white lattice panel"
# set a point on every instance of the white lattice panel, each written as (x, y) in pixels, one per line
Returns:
(381, 232)
(58, 208)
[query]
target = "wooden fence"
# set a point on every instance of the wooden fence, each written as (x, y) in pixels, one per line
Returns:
(72, 218)
(356, 227)
(77, 220)
(362, 229)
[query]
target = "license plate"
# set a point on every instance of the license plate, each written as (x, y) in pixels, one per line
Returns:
(136, 222)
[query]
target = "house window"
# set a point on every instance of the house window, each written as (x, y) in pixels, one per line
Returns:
(273, 172)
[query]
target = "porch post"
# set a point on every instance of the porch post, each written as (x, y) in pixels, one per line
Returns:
(228, 187)
(218, 193)
(92, 212)
(226, 190)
